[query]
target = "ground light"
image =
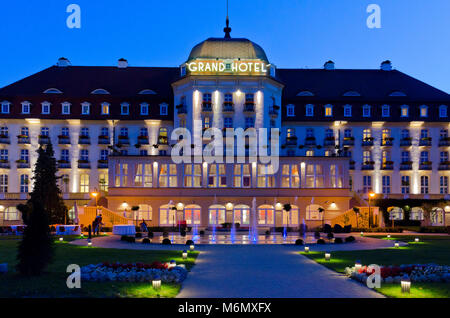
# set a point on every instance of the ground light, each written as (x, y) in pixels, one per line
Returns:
(306, 249)
(61, 239)
(327, 256)
(89, 244)
(396, 245)
(184, 254)
(406, 285)
(156, 283)
(389, 235)
(191, 247)
(416, 240)
(362, 233)
(358, 265)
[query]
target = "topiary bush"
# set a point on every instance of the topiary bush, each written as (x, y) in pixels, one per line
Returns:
(347, 229)
(327, 228)
(138, 235)
(166, 241)
(267, 233)
(317, 234)
(202, 232)
(183, 233)
(146, 241)
(124, 238)
(337, 228)
(349, 239)
(189, 242)
(338, 240)
(299, 242)
(330, 236)
(321, 241)
(165, 234)
(150, 234)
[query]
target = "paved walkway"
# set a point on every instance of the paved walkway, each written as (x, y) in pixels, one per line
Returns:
(261, 271)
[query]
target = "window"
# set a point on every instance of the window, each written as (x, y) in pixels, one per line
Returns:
(124, 109)
(313, 212)
(100, 91)
(64, 183)
(367, 157)
(4, 155)
(385, 111)
(329, 134)
(217, 214)
(45, 108)
(104, 131)
(241, 176)
(104, 153)
(24, 181)
(105, 108)
(405, 184)
(424, 184)
(24, 131)
(192, 214)
(423, 111)
(336, 175)
(266, 215)
(163, 109)
(65, 155)
(309, 133)
(124, 131)
(348, 133)
(144, 109)
(424, 133)
(310, 153)
(443, 111)
(443, 185)
(103, 181)
(367, 134)
(328, 110)
(217, 176)
(143, 175)
(444, 157)
(84, 155)
(84, 132)
(309, 110)
(65, 108)
(167, 176)
(291, 218)
(206, 122)
(121, 175)
(26, 107)
(249, 97)
(84, 183)
(385, 135)
(266, 178)
(290, 176)
(424, 155)
(5, 107)
(347, 111)
(367, 184)
(45, 131)
(386, 182)
(25, 155)
(167, 215)
(145, 212)
(192, 175)
(366, 111)
(4, 132)
(314, 176)
(443, 134)
(143, 132)
(228, 98)
(85, 108)
(249, 122)
(12, 214)
(228, 122)
(3, 183)
(290, 110)
(405, 133)
(404, 111)
(405, 157)
(65, 131)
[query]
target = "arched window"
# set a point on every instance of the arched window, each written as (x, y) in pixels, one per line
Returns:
(416, 214)
(52, 91)
(305, 93)
(167, 215)
(437, 217)
(396, 213)
(352, 94)
(216, 214)
(241, 214)
(313, 212)
(266, 215)
(100, 91)
(147, 92)
(145, 212)
(192, 214)
(12, 214)
(290, 218)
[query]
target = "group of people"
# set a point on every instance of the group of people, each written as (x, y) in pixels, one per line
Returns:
(97, 224)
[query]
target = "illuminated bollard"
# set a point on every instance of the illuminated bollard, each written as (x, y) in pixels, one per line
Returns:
(358, 265)
(156, 283)
(184, 254)
(306, 249)
(191, 247)
(327, 256)
(417, 240)
(406, 285)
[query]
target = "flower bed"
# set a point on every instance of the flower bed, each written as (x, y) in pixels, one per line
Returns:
(430, 273)
(137, 272)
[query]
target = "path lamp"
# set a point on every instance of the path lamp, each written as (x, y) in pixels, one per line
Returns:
(406, 285)
(396, 245)
(417, 240)
(358, 265)
(94, 194)
(327, 256)
(306, 249)
(89, 244)
(184, 254)
(371, 196)
(156, 283)
(191, 247)
(389, 235)
(61, 239)
(362, 233)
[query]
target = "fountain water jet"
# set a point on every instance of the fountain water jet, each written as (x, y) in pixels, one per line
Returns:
(253, 230)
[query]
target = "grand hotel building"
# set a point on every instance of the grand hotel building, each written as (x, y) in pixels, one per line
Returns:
(344, 132)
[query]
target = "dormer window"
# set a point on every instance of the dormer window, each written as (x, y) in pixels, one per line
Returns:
(309, 110)
(100, 91)
(26, 107)
(424, 111)
(404, 111)
(45, 108)
(65, 108)
(397, 94)
(443, 111)
(147, 92)
(385, 111)
(144, 109)
(328, 110)
(290, 110)
(124, 109)
(5, 107)
(348, 111)
(105, 108)
(352, 94)
(52, 91)
(366, 111)
(305, 93)
(85, 108)
(163, 109)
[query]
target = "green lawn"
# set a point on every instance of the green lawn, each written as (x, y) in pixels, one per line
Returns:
(430, 249)
(53, 282)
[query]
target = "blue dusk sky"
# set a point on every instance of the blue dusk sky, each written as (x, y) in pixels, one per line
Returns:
(414, 34)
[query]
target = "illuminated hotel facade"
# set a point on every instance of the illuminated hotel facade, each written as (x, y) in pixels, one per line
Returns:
(344, 133)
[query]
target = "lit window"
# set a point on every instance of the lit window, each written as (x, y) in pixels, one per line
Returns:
(328, 110)
(241, 176)
(366, 111)
(45, 108)
(3, 183)
(121, 175)
(217, 177)
(143, 175)
(65, 108)
(105, 109)
(290, 176)
(26, 107)
(347, 111)
(423, 111)
(385, 111)
(424, 181)
(404, 111)
(314, 176)
(192, 175)
(309, 110)
(266, 178)
(84, 183)
(167, 176)
(85, 108)
(24, 181)
(144, 109)
(124, 109)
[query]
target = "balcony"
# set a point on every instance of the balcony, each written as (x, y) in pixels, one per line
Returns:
(387, 142)
(228, 107)
(367, 142)
(123, 140)
(329, 141)
(181, 109)
(444, 142)
(84, 164)
(44, 140)
(4, 164)
(406, 142)
(103, 140)
(84, 140)
(143, 140)
(388, 165)
(349, 141)
(63, 140)
(444, 166)
(406, 165)
(368, 165)
(23, 139)
(4, 139)
(291, 141)
(22, 164)
(426, 142)
(102, 164)
(426, 165)
(249, 107)
(310, 141)
(64, 164)
(207, 107)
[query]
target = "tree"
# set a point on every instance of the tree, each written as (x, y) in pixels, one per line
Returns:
(46, 190)
(36, 248)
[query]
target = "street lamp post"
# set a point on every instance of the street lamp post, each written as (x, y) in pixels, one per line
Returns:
(95, 195)
(371, 195)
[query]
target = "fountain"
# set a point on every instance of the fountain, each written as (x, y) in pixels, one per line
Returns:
(253, 230)
(233, 232)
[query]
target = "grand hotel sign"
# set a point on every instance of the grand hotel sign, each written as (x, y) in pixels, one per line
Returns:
(227, 67)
